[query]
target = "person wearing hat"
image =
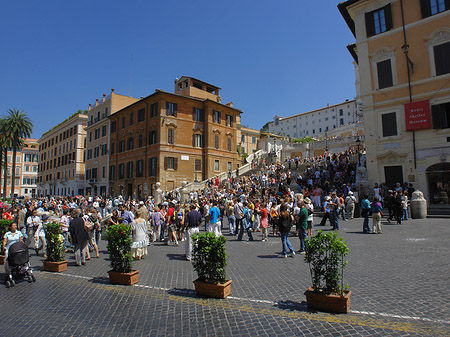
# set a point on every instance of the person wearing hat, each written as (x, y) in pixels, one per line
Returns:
(327, 211)
(39, 236)
(310, 209)
(350, 202)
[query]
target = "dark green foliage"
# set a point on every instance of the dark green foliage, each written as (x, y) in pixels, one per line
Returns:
(119, 247)
(325, 256)
(54, 238)
(4, 228)
(209, 257)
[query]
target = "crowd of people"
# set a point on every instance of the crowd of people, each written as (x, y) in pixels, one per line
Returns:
(262, 202)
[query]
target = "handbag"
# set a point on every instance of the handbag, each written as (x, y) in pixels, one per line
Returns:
(88, 226)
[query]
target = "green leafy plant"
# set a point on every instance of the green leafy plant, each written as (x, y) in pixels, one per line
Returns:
(209, 257)
(55, 240)
(119, 247)
(325, 255)
(4, 228)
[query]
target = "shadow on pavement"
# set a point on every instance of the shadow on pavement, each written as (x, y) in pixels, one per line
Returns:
(292, 306)
(268, 256)
(179, 257)
(100, 279)
(183, 292)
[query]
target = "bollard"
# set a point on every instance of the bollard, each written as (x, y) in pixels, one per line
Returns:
(418, 206)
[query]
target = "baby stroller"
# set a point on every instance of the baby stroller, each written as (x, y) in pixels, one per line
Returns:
(19, 265)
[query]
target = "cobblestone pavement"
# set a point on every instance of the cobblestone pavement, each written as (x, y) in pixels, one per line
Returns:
(400, 283)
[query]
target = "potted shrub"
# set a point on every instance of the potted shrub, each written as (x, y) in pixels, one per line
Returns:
(209, 259)
(119, 249)
(325, 255)
(4, 228)
(55, 248)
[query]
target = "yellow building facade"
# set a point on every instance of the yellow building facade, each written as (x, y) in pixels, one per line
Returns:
(403, 53)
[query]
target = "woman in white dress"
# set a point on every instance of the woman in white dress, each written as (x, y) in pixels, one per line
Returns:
(140, 240)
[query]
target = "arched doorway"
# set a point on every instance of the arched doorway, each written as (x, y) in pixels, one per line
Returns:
(438, 178)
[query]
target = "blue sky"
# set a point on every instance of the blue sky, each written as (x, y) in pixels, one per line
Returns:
(269, 57)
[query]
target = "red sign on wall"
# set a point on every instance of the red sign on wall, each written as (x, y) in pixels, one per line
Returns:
(417, 115)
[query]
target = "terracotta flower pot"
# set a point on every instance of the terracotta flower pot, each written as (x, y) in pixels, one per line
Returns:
(328, 303)
(221, 290)
(2, 259)
(124, 278)
(55, 266)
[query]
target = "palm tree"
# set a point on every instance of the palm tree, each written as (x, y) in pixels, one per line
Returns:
(20, 127)
(5, 144)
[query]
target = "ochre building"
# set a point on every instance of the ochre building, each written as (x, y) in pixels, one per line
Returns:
(169, 138)
(403, 52)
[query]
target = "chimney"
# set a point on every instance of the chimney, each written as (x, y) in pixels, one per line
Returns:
(104, 96)
(90, 107)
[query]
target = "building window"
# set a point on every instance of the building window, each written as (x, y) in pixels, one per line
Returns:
(229, 120)
(90, 137)
(152, 137)
(130, 169)
(389, 124)
(113, 148)
(384, 71)
(103, 171)
(89, 154)
(379, 21)
(216, 142)
(442, 58)
(253, 140)
(197, 140)
(152, 167)
(198, 165)
(171, 109)
(112, 173)
(216, 165)
(113, 126)
(97, 133)
(154, 110)
(123, 122)
(229, 166)
(243, 138)
(130, 143)
(104, 149)
(198, 115)
(96, 152)
(341, 112)
(141, 115)
(131, 118)
(94, 173)
(171, 136)
(341, 121)
(433, 7)
(139, 168)
(441, 116)
(122, 146)
(229, 144)
(103, 130)
(216, 116)
(170, 163)
(121, 170)
(140, 140)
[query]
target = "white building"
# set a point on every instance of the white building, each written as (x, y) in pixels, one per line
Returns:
(314, 123)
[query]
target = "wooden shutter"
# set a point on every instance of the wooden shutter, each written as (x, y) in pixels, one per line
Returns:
(384, 71)
(388, 17)
(167, 108)
(175, 109)
(436, 116)
(370, 26)
(193, 140)
(203, 141)
(175, 164)
(425, 8)
(193, 114)
(165, 163)
(202, 115)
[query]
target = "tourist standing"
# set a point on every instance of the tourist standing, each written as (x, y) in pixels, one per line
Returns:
(376, 216)
(284, 227)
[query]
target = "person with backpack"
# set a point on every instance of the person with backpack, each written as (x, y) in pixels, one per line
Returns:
(172, 224)
(350, 202)
(246, 223)
(284, 227)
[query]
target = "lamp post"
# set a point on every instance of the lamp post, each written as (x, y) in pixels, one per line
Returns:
(358, 144)
(326, 141)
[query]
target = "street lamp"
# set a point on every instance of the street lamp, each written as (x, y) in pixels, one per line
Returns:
(326, 141)
(358, 145)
